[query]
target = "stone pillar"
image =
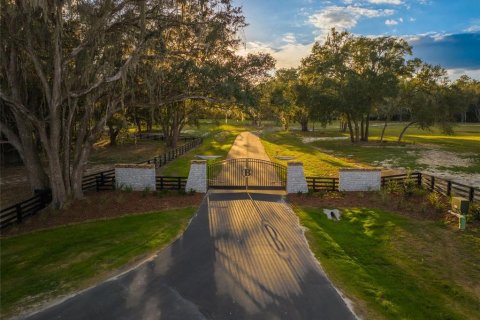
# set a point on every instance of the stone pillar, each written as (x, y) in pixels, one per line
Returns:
(296, 181)
(138, 177)
(359, 179)
(197, 177)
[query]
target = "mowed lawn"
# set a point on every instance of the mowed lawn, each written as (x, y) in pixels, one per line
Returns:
(39, 266)
(396, 267)
(315, 162)
(218, 142)
(464, 143)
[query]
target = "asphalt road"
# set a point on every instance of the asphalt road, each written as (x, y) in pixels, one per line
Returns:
(243, 256)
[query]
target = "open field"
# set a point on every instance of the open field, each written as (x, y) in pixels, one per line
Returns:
(396, 267)
(455, 157)
(316, 163)
(218, 142)
(129, 151)
(39, 266)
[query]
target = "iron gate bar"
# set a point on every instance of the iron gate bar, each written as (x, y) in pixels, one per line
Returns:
(243, 173)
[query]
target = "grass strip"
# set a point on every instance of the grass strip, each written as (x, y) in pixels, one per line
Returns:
(45, 264)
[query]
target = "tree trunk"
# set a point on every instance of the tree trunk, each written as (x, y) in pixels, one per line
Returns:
(356, 130)
(367, 125)
(113, 134)
(350, 129)
(138, 122)
(304, 123)
(383, 130)
(362, 130)
(405, 129)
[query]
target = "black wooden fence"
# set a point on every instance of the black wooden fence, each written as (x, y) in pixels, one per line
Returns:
(429, 182)
(316, 184)
(99, 181)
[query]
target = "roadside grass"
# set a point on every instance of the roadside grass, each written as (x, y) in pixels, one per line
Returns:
(465, 142)
(218, 142)
(39, 266)
(396, 267)
(315, 162)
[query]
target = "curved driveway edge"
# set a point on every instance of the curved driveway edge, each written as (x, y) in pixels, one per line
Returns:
(242, 257)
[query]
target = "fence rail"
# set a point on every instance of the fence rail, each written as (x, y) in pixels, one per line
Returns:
(171, 183)
(429, 182)
(16, 213)
(99, 181)
(322, 184)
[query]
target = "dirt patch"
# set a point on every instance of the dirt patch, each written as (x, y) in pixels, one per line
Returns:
(313, 139)
(438, 158)
(14, 186)
(104, 205)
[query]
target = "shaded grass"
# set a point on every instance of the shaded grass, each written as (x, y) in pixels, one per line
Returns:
(218, 142)
(126, 152)
(315, 162)
(45, 264)
(398, 267)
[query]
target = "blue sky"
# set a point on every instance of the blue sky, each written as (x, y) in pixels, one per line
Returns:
(445, 32)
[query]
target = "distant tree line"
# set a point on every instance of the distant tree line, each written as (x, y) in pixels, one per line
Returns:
(354, 79)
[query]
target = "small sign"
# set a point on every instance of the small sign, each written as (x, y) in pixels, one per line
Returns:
(247, 172)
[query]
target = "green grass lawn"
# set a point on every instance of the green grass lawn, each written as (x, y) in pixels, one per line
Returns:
(465, 142)
(395, 267)
(315, 162)
(218, 142)
(44, 264)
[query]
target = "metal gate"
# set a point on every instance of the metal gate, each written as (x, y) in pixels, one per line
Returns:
(246, 173)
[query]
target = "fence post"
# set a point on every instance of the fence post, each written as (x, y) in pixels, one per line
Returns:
(449, 188)
(96, 184)
(18, 207)
(179, 182)
(333, 184)
(471, 194)
(383, 181)
(432, 183)
(419, 179)
(161, 183)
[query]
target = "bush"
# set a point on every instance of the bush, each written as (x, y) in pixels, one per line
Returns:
(474, 211)
(436, 201)
(393, 187)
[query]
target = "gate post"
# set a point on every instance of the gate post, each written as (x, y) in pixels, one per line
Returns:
(197, 177)
(296, 181)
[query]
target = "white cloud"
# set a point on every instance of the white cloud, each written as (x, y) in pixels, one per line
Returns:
(454, 74)
(289, 38)
(395, 2)
(473, 28)
(391, 22)
(412, 19)
(287, 56)
(343, 17)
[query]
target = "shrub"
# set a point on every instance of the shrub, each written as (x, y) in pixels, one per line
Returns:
(474, 211)
(393, 187)
(436, 201)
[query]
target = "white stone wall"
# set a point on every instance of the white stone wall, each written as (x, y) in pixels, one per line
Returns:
(137, 177)
(359, 180)
(197, 177)
(296, 181)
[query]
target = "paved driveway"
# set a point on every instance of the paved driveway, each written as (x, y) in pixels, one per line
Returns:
(242, 257)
